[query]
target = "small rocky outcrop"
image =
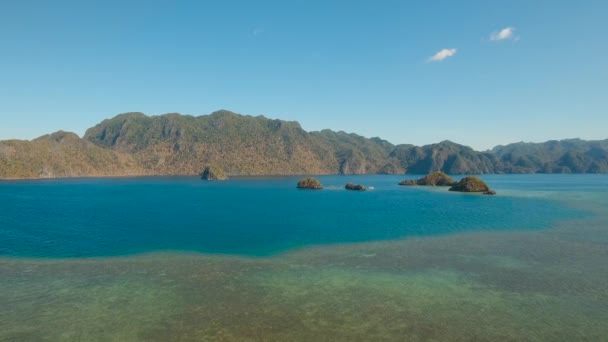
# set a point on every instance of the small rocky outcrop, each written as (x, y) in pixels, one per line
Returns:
(436, 178)
(356, 187)
(489, 192)
(408, 182)
(471, 184)
(309, 183)
(213, 172)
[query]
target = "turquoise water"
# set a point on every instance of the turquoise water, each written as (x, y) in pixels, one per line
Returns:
(179, 259)
(106, 217)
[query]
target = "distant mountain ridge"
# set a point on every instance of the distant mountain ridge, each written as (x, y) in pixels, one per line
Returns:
(174, 144)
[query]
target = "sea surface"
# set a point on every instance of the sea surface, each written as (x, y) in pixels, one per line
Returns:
(255, 259)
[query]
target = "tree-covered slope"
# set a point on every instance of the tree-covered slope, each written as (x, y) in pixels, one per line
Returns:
(563, 156)
(62, 154)
(354, 154)
(174, 144)
(445, 156)
(241, 145)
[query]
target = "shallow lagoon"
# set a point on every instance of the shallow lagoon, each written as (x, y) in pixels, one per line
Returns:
(531, 264)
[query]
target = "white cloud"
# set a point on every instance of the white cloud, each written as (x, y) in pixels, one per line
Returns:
(506, 33)
(443, 54)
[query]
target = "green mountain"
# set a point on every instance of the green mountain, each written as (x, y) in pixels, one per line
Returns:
(241, 145)
(445, 156)
(62, 154)
(564, 156)
(174, 144)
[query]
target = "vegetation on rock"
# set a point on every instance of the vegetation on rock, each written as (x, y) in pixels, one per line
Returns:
(436, 178)
(445, 156)
(357, 187)
(309, 183)
(471, 184)
(564, 156)
(174, 144)
(61, 155)
(213, 172)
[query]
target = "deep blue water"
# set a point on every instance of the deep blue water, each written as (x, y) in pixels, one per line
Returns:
(260, 216)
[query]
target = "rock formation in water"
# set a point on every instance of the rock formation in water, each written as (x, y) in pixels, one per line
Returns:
(436, 178)
(471, 184)
(213, 172)
(357, 187)
(310, 183)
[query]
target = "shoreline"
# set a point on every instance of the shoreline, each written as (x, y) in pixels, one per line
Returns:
(253, 176)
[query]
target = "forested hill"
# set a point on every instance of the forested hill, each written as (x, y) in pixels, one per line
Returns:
(174, 144)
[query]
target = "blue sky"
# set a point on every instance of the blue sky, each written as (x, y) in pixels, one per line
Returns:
(357, 66)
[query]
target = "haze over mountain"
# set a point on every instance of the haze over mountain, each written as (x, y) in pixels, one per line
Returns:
(174, 144)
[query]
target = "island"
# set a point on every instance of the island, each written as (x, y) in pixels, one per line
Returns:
(356, 187)
(309, 183)
(436, 178)
(472, 184)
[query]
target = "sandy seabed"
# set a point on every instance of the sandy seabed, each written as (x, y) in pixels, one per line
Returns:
(544, 285)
